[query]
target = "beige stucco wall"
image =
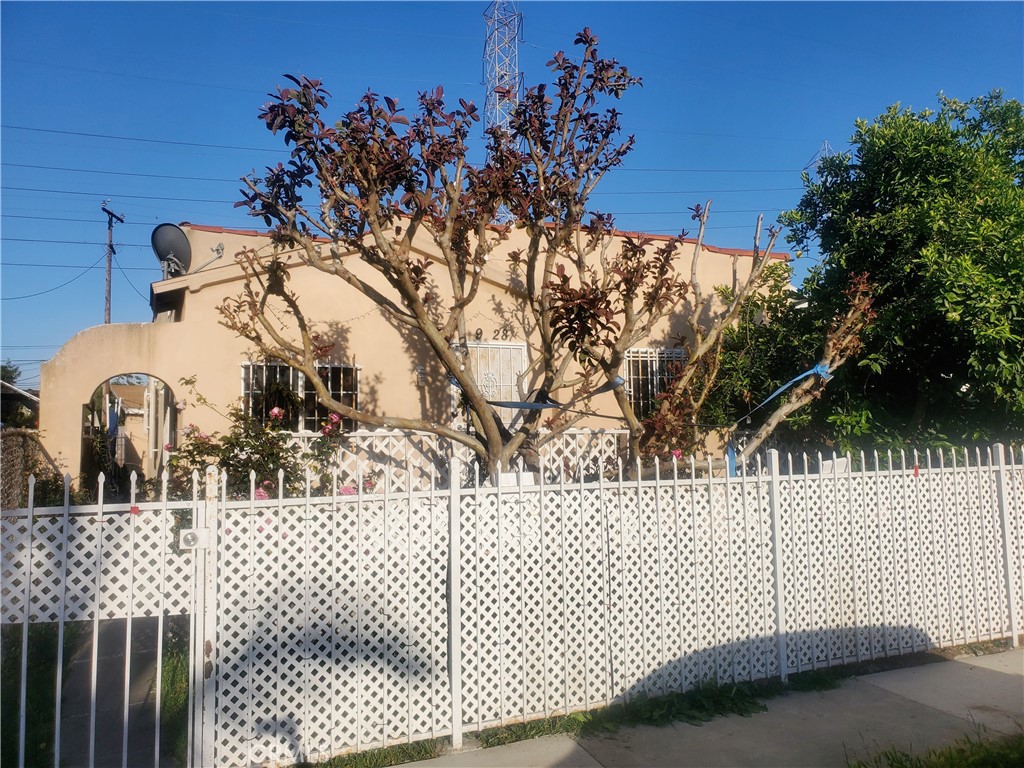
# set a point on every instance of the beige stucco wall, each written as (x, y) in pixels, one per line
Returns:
(198, 345)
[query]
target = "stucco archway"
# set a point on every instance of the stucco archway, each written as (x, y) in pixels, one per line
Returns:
(67, 381)
(126, 424)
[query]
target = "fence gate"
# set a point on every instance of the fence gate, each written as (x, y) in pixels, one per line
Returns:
(96, 606)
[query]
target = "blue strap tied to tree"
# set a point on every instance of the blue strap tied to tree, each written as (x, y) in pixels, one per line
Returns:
(821, 369)
(730, 452)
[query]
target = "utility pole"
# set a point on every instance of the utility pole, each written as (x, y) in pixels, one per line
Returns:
(111, 217)
(105, 417)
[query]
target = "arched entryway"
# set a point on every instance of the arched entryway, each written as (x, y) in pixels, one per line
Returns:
(128, 423)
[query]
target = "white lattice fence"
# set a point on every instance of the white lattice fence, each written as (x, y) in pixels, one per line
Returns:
(580, 594)
(329, 618)
(400, 460)
(897, 560)
(93, 562)
(332, 626)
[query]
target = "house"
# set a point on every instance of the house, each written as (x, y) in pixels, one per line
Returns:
(372, 363)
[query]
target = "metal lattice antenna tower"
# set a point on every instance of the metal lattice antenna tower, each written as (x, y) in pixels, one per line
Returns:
(825, 151)
(502, 79)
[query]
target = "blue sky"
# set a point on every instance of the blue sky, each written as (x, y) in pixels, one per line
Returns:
(153, 106)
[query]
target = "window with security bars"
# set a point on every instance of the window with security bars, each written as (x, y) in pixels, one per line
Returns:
(498, 368)
(648, 373)
(266, 386)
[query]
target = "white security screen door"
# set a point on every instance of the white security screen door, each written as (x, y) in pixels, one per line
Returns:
(498, 368)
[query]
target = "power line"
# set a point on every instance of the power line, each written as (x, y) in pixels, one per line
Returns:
(710, 170)
(63, 218)
(281, 150)
(677, 213)
(56, 287)
(189, 200)
(702, 191)
(235, 181)
(198, 84)
(125, 276)
(118, 173)
(133, 197)
(135, 138)
(68, 266)
(72, 242)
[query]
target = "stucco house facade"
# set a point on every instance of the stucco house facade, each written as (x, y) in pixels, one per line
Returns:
(373, 363)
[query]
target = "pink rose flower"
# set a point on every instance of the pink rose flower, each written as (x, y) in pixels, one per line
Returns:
(334, 418)
(260, 495)
(347, 490)
(677, 453)
(168, 447)
(276, 413)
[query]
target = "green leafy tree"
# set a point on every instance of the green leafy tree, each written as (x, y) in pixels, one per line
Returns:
(929, 205)
(10, 372)
(744, 340)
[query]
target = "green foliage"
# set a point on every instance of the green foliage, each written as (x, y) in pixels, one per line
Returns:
(10, 372)
(174, 692)
(976, 752)
(40, 703)
(250, 446)
(253, 446)
(768, 345)
(381, 758)
(697, 706)
(931, 207)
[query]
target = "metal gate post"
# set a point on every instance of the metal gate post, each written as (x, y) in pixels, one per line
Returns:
(455, 598)
(780, 599)
(1003, 492)
(202, 539)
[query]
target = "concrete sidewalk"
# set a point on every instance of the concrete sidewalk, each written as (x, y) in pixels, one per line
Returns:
(912, 709)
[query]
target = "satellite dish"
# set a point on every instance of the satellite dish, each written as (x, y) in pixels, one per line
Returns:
(170, 244)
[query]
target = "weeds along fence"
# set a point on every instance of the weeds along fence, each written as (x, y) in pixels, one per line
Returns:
(215, 632)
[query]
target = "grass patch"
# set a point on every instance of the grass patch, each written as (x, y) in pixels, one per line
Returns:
(40, 696)
(174, 691)
(818, 679)
(970, 752)
(711, 700)
(380, 758)
(696, 706)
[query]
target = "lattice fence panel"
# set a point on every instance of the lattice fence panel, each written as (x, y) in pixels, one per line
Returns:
(1015, 525)
(118, 564)
(537, 589)
(561, 560)
(331, 626)
(668, 532)
(686, 519)
(594, 593)
(397, 460)
(997, 616)
(483, 683)
(402, 460)
(581, 454)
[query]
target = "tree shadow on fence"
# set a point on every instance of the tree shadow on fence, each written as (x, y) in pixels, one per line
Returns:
(299, 694)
